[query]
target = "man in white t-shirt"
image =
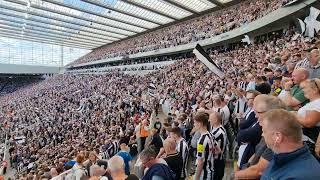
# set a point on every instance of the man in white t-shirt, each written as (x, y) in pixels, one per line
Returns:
(221, 106)
(314, 64)
(252, 83)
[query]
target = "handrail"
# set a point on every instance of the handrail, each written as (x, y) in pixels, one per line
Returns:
(65, 173)
(62, 175)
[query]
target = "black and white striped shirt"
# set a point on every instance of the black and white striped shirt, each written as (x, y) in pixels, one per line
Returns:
(221, 139)
(108, 151)
(205, 151)
(242, 85)
(225, 114)
(115, 147)
(241, 105)
(302, 64)
(183, 149)
(112, 149)
(104, 155)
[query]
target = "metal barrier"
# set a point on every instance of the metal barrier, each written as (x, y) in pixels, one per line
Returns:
(63, 175)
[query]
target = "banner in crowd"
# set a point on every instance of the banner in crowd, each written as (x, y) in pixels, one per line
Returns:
(205, 59)
(310, 26)
(290, 2)
(247, 40)
(152, 91)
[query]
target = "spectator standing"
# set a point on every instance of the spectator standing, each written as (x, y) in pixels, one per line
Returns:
(98, 173)
(157, 125)
(93, 160)
(156, 140)
(314, 64)
(78, 172)
(220, 135)
(205, 148)
(252, 84)
(173, 158)
(117, 169)
(126, 157)
(143, 133)
(157, 168)
(182, 148)
(283, 134)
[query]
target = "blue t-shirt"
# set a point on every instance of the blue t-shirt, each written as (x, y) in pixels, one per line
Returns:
(70, 163)
(126, 158)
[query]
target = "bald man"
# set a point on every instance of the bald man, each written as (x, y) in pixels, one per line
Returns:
(294, 97)
(97, 171)
(173, 157)
(314, 61)
(54, 172)
(220, 135)
(116, 167)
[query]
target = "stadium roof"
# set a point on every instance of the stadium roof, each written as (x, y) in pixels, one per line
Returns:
(89, 24)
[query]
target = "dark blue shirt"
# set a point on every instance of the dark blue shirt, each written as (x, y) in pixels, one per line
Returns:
(296, 165)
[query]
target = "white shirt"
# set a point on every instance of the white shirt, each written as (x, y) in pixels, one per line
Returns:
(249, 110)
(225, 113)
(137, 130)
(302, 63)
(57, 178)
(78, 172)
(251, 86)
(282, 94)
(311, 106)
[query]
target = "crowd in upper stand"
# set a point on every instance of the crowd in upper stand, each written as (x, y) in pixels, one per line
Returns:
(131, 62)
(68, 121)
(200, 28)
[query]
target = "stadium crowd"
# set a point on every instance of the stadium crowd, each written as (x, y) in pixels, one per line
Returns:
(188, 31)
(181, 120)
(11, 84)
(93, 125)
(59, 114)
